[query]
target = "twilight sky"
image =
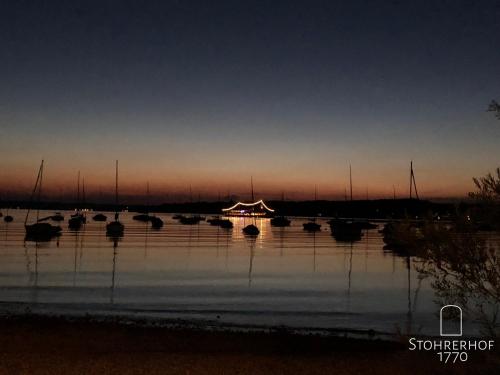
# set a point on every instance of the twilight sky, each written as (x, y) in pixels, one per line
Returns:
(209, 93)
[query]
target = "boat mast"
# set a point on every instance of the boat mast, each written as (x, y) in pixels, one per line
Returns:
(83, 191)
(33, 193)
(253, 201)
(413, 184)
(350, 179)
(39, 193)
(116, 190)
(78, 190)
(251, 187)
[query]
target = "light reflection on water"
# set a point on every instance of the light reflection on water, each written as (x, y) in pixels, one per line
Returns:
(285, 276)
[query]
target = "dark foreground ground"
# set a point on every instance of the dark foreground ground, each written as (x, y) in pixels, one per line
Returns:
(39, 345)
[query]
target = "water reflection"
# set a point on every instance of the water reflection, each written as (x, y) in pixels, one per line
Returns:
(115, 241)
(284, 276)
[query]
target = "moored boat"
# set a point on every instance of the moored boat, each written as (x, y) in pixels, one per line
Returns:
(115, 228)
(346, 230)
(57, 217)
(280, 221)
(251, 230)
(226, 224)
(99, 217)
(156, 222)
(191, 220)
(141, 217)
(39, 231)
(311, 226)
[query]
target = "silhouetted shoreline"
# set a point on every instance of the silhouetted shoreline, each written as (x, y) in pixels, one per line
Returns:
(373, 209)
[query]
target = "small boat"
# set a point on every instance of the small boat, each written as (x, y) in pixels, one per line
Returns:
(115, 228)
(156, 222)
(7, 218)
(365, 224)
(251, 230)
(99, 217)
(141, 217)
(215, 220)
(42, 231)
(280, 221)
(57, 217)
(346, 230)
(312, 226)
(226, 224)
(177, 216)
(191, 220)
(75, 222)
(402, 237)
(39, 231)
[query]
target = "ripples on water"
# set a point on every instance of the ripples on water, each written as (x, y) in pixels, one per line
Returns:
(285, 276)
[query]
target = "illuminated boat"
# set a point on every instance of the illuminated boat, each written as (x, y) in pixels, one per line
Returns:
(255, 209)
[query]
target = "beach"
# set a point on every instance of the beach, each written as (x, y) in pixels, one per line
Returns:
(31, 344)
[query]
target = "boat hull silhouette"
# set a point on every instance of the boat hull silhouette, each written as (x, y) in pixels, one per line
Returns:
(312, 226)
(42, 231)
(280, 221)
(251, 230)
(115, 228)
(99, 217)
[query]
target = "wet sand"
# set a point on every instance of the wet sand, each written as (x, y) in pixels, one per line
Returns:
(43, 345)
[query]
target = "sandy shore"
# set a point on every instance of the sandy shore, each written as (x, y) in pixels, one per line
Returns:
(42, 345)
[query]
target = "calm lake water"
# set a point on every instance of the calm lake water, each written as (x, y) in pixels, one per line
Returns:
(285, 276)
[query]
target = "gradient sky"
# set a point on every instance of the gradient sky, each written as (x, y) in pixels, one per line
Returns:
(209, 93)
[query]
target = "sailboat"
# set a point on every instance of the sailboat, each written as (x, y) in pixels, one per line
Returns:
(115, 228)
(156, 222)
(8, 218)
(311, 225)
(252, 229)
(346, 230)
(77, 219)
(281, 221)
(39, 231)
(145, 215)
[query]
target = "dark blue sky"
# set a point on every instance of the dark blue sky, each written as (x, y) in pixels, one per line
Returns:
(287, 91)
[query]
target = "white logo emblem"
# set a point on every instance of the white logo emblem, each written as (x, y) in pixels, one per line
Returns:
(451, 310)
